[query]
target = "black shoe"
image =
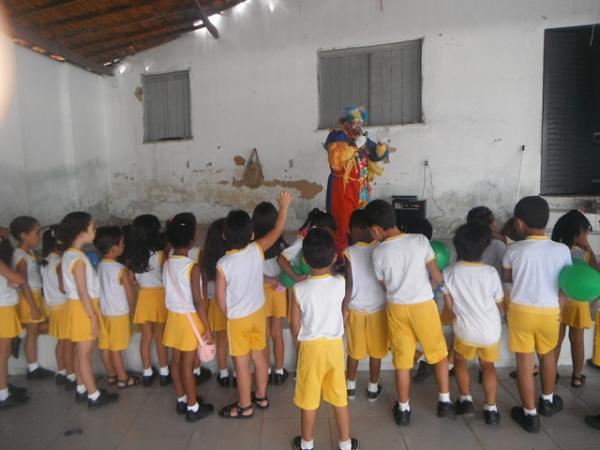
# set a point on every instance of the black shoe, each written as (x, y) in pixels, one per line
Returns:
(17, 391)
(223, 381)
(280, 378)
(491, 417)
(39, 374)
(204, 410)
(164, 380)
(81, 398)
(60, 379)
(531, 424)
(296, 443)
(402, 418)
(147, 380)
(351, 394)
(181, 408)
(446, 409)
(234, 381)
(590, 363)
(355, 444)
(70, 385)
(463, 407)
(372, 396)
(424, 371)
(593, 421)
(547, 408)
(203, 376)
(104, 399)
(14, 347)
(13, 400)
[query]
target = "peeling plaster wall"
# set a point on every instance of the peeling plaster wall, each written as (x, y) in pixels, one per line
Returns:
(257, 87)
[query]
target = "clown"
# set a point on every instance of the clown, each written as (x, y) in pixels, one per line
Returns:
(352, 159)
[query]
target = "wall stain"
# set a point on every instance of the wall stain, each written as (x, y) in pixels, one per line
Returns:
(239, 160)
(308, 190)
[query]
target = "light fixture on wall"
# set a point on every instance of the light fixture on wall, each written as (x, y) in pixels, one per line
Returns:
(122, 69)
(147, 68)
(271, 5)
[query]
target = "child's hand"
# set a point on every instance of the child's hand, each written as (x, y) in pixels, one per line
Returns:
(209, 337)
(36, 314)
(284, 199)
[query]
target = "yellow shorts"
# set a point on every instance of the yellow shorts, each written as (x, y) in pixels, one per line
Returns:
(179, 334)
(367, 335)
(275, 302)
(216, 319)
(468, 351)
(576, 314)
(10, 325)
(409, 324)
(150, 306)
(532, 329)
(79, 325)
(446, 317)
(247, 333)
(596, 355)
(321, 373)
(58, 326)
(24, 310)
(117, 333)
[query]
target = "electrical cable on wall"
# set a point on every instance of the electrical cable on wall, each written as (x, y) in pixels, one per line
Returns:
(520, 173)
(432, 191)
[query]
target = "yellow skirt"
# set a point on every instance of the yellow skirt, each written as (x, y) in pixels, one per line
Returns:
(24, 310)
(275, 302)
(58, 323)
(596, 355)
(150, 306)
(117, 333)
(216, 319)
(576, 314)
(179, 334)
(80, 325)
(10, 326)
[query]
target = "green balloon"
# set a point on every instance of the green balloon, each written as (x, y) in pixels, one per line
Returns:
(580, 282)
(286, 280)
(442, 254)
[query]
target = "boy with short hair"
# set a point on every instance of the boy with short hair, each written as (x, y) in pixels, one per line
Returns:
(318, 325)
(240, 295)
(533, 266)
(404, 263)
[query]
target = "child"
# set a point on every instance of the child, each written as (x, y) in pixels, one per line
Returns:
(364, 308)
(494, 253)
(533, 266)
(181, 278)
(27, 231)
(84, 320)
(404, 263)
(10, 327)
(241, 297)
(116, 299)
(473, 291)
(214, 249)
(144, 258)
(318, 325)
(264, 217)
(572, 230)
(56, 300)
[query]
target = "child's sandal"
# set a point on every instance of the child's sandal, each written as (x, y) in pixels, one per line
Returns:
(580, 379)
(130, 381)
(112, 380)
(259, 402)
(225, 412)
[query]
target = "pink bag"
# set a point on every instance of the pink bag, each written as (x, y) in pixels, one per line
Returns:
(206, 352)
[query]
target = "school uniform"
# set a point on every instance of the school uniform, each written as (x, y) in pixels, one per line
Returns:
(534, 313)
(321, 369)
(245, 298)
(56, 300)
(292, 253)
(10, 325)
(400, 262)
(367, 323)
(150, 305)
(114, 305)
(275, 296)
(34, 280)
(216, 318)
(476, 289)
(577, 314)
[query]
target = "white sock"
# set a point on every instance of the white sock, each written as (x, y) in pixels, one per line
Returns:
(466, 398)
(404, 406)
(450, 366)
(147, 372)
(346, 445)
(4, 394)
(224, 373)
(306, 445)
(197, 371)
(71, 377)
(487, 407)
(269, 371)
(93, 397)
(373, 387)
(279, 371)
(444, 397)
(350, 384)
(81, 388)
(62, 372)
(182, 399)
(530, 412)
(164, 371)
(549, 397)
(33, 366)
(194, 408)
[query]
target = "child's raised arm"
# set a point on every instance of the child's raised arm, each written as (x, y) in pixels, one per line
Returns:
(35, 311)
(268, 240)
(199, 304)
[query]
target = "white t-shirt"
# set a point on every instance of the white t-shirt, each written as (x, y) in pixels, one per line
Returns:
(178, 297)
(320, 299)
(70, 257)
(401, 263)
(194, 253)
(34, 279)
(271, 268)
(475, 288)
(536, 263)
(367, 294)
(113, 299)
(8, 295)
(493, 255)
(52, 292)
(292, 253)
(243, 272)
(152, 278)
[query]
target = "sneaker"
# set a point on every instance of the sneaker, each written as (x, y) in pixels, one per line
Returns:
(203, 377)
(531, 424)
(13, 400)
(17, 391)
(280, 378)
(593, 421)
(204, 410)
(164, 380)
(355, 444)
(147, 380)
(462, 407)
(446, 409)
(296, 443)
(70, 385)
(60, 379)
(590, 363)
(39, 374)
(372, 396)
(424, 371)
(547, 408)
(223, 381)
(351, 394)
(81, 398)
(491, 417)
(402, 418)
(104, 399)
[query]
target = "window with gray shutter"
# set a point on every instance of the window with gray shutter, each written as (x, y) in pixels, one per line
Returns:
(167, 112)
(385, 79)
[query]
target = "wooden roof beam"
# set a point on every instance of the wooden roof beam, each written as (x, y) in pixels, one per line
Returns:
(121, 9)
(204, 16)
(36, 10)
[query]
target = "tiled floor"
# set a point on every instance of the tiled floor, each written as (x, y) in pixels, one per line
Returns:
(145, 419)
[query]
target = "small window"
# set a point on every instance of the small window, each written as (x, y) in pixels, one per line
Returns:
(385, 79)
(167, 109)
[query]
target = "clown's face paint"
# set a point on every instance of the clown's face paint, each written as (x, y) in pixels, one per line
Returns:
(353, 128)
